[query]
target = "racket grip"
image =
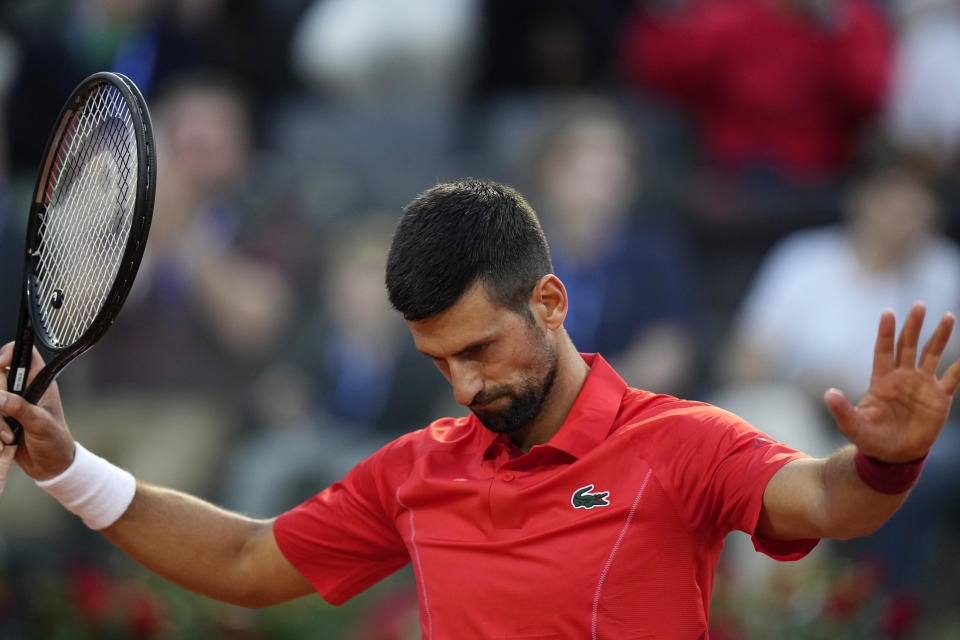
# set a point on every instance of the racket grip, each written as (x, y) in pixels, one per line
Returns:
(17, 430)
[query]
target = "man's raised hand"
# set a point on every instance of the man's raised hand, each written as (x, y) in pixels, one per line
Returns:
(903, 411)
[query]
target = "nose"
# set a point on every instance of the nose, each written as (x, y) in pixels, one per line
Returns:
(466, 382)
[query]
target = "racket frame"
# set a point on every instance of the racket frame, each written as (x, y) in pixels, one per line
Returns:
(141, 218)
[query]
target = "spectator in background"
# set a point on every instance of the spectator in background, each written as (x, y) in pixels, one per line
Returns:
(150, 41)
(203, 316)
(547, 45)
(888, 253)
(588, 180)
(384, 82)
(368, 377)
(351, 382)
(232, 306)
(381, 48)
(779, 85)
(923, 116)
(796, 336)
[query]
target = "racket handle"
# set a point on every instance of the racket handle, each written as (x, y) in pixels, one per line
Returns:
(17, 430)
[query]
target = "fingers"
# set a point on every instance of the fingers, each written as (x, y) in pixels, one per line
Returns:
(843, 412)
(910, 337)
(36, 366)
(6, 434)
(18, 408)
(6, 461)
(6, 354)
(47, 442)
(951, 379)
(883, 353)
(36, 360)
(930, 358)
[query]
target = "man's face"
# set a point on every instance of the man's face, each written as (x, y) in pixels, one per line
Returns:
(499, 364)
(508, 408)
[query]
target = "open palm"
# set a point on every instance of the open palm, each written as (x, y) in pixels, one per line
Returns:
(903, 411)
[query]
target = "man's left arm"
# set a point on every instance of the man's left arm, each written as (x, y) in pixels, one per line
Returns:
(891, 429)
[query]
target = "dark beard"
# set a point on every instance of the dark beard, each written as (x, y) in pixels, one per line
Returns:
(523, 407)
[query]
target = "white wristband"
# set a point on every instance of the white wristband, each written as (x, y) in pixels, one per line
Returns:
(93, 489)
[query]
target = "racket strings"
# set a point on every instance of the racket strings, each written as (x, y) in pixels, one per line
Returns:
(90, 246)
(89, 200)
(53, 244)
(91, 203)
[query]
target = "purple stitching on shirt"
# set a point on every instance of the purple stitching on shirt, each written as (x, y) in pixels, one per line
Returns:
(416, 557)
(613, 553)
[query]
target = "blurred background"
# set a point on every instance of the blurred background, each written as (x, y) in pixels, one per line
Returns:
(733, 191)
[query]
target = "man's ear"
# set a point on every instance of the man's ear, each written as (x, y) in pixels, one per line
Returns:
(549, 302)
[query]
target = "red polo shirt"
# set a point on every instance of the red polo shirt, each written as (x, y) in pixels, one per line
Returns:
(612, 529)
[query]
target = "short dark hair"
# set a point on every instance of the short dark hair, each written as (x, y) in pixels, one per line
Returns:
(462, 232)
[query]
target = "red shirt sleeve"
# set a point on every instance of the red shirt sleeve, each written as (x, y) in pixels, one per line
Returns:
(716, 467)
(343, 540)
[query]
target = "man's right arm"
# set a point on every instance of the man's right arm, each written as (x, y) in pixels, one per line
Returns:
(205, 549)
(193, 543)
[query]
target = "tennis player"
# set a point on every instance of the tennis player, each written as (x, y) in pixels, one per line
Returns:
(566, 504)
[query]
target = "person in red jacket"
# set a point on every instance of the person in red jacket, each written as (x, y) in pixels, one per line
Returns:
(782, 84)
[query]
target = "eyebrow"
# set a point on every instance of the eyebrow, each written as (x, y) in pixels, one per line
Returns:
(472, 345)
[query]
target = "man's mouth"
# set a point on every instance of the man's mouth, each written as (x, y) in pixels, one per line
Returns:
(485, 405)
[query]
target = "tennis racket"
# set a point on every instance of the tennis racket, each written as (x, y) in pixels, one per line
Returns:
(89, 219)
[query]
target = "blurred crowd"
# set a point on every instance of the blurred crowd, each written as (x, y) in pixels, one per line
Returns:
(733, 191)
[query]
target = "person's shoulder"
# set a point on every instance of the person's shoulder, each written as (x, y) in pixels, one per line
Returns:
(650, 415)
(449, 431)
(641, 403)
(806, 253)
(438, 434)
(395, 460)
(826, 239)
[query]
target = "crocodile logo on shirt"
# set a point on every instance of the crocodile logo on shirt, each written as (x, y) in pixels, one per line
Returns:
(582, 498)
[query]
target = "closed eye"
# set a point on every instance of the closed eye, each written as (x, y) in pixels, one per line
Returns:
(467, 352)
(473, 349)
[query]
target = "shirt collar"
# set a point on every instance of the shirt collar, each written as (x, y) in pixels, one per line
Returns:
(591, 418)
(593, 413)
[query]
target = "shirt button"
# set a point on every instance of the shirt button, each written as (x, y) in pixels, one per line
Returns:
(507, 477)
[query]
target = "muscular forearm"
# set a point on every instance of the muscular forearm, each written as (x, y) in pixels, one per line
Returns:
(204, 548)
(849, 508)
(823, 498)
